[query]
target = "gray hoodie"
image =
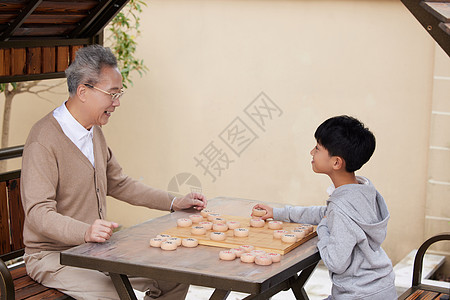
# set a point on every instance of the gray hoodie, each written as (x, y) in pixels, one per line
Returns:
(350, 238)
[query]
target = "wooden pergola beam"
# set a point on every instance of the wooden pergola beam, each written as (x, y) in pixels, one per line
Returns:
(87, 22)
(24, 14)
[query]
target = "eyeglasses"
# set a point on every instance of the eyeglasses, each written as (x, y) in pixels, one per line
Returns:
(114, 96)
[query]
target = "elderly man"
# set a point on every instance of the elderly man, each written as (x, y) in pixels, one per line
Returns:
(67, 172)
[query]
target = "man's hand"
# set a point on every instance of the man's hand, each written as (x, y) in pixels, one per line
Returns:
(194, 200)
(99, 231)
(267, 208)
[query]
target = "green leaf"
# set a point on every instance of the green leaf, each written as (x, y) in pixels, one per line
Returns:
(124, 30)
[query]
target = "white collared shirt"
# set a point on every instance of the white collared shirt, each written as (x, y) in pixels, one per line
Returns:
(80, 136)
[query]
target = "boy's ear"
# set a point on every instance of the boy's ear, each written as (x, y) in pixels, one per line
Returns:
(338, 163)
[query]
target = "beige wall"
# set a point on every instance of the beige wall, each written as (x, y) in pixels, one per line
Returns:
(437, 211)
(208, 60)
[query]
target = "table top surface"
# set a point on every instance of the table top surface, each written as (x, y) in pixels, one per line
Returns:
(128, 252)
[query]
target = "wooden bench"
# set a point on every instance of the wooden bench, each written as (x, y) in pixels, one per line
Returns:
(14, 281)
(423, 291)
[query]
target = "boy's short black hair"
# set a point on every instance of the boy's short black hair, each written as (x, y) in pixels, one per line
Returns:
(347, 137)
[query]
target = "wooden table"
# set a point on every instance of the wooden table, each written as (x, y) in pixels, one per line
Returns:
(127, 253)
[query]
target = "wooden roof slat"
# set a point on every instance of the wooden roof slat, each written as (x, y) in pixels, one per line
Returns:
(48, 30)
(45, 18)
(20, 19)
(12, 6)
(67, 6)
(5, 19)
(62, 58)
(18, 61)
(49, 64)
(445, 27)
(440, 10)
(34, 60)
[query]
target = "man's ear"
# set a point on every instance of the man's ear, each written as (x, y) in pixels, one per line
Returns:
(338, 163)
(81, 92)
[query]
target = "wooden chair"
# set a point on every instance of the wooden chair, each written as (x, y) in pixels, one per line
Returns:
(423, 291)
(14, 282)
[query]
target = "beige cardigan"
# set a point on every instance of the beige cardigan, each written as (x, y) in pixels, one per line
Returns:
(63, 194)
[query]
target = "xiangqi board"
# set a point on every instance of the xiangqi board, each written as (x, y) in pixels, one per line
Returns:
(261, 238)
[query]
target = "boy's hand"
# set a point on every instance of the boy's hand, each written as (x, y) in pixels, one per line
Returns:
(267, 208)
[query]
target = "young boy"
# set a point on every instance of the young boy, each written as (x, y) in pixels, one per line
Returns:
(353, 225)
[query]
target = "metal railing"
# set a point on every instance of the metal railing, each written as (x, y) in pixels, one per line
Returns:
(11, 152)
(8, 153)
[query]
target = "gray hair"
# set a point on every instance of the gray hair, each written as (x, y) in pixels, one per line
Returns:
(87, 66)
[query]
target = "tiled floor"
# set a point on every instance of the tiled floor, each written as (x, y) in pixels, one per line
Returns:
(318, 287)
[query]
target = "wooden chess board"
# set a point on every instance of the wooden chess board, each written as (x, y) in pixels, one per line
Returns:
(261, 238)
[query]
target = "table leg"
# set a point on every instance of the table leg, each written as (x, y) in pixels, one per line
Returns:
(219, 295)
(297, 284)
(123, 286)
(300, 293)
